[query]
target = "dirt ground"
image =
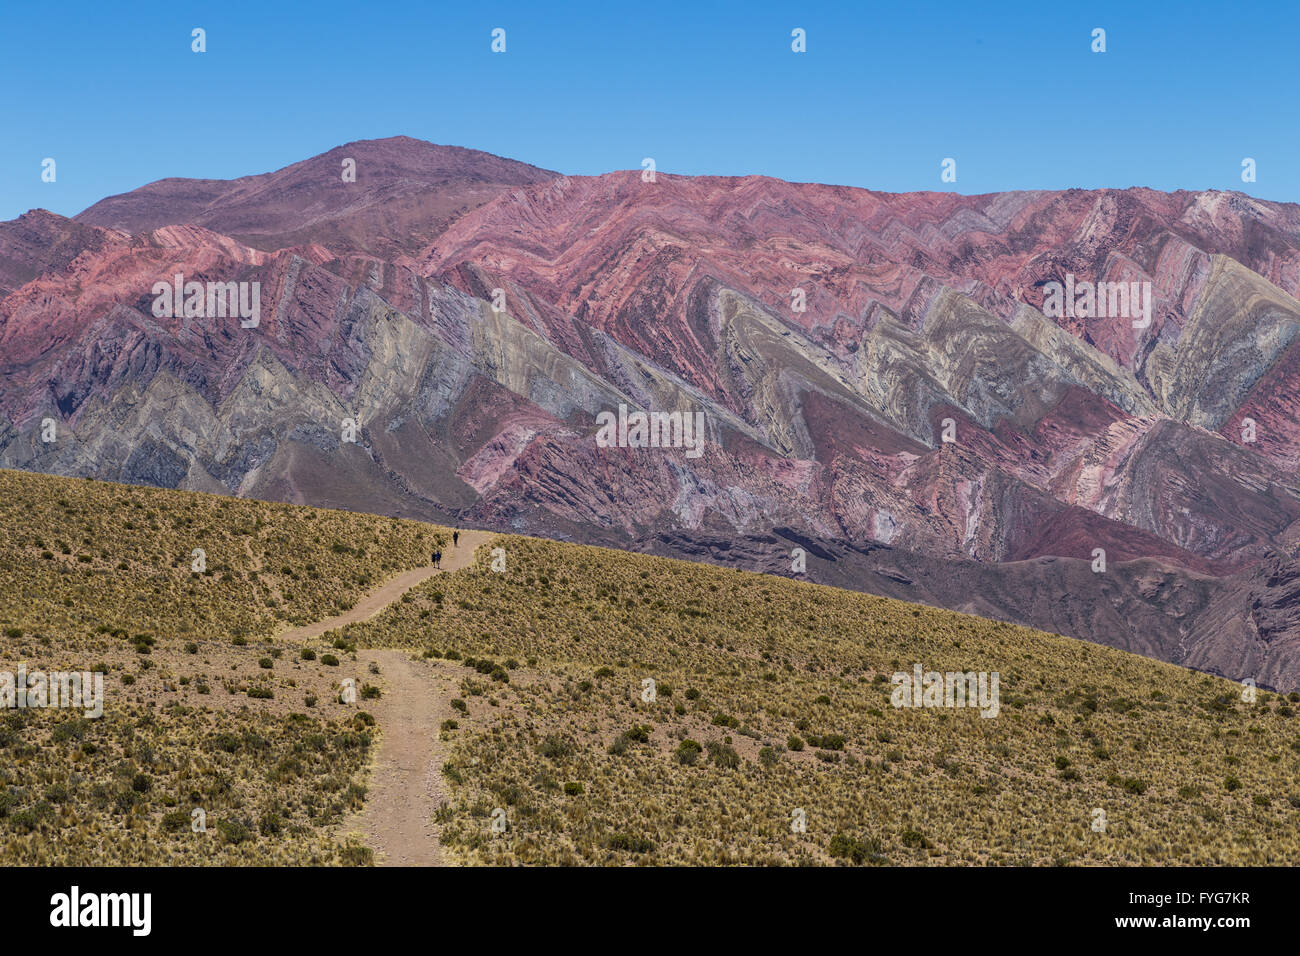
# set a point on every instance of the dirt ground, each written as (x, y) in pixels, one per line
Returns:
(406, 786)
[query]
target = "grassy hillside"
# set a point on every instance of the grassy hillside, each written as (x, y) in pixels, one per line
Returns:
(204, 708)
(772, 697)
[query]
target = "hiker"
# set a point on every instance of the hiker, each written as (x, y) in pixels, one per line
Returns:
(437, 559)
(455, 538)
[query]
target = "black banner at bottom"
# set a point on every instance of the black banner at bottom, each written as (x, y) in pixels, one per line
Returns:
(329, 905)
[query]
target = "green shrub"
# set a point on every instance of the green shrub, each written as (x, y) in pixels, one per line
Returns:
(723, 755)
(628, 843)
(556, 747)
(234, 831)
(915, 839)
(845, 847)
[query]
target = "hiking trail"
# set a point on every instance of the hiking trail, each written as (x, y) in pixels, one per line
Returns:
(406, 785)
(453, 559)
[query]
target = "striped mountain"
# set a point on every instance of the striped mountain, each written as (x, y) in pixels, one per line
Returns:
(823, 424)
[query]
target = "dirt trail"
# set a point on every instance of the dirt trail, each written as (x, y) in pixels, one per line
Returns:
(406, 786)
(453, 559)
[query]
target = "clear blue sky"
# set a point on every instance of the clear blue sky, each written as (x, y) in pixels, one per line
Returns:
(885, 91)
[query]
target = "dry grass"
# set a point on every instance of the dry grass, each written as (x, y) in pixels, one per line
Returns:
(204, 708)
(772, 696)
(1184, 770)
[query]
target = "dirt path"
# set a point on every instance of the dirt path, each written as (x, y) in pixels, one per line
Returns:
(406, 786)
(453, 559)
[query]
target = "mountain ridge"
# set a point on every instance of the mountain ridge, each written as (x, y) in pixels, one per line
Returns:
(392, 174)
(921, 309)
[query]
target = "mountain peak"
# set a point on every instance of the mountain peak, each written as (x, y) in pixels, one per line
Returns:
(378, 196)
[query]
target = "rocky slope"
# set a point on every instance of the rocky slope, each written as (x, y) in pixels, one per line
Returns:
(473, 317)
(404, 192)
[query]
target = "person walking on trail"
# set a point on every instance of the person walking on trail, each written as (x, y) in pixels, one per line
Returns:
(437, 559)
(455, 538)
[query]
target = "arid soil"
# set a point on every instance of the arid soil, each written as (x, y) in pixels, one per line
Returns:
(406, 787)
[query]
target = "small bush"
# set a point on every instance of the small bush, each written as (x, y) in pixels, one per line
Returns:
(628, 843)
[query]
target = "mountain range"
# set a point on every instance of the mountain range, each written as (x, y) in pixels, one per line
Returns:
(1126, 480)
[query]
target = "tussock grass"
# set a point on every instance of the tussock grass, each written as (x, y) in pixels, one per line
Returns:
(203, 708)
(749, 667)
(772, 697)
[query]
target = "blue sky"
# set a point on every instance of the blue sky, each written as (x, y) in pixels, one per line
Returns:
(883, 94)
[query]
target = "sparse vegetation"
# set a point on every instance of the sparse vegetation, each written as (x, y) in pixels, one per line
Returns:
(712, 774)
(202, 709)
(772, 695)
